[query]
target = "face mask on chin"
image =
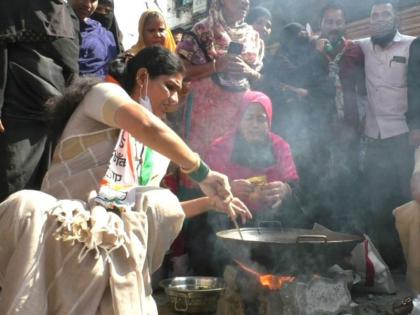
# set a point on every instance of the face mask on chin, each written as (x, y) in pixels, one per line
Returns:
(145, 101)
(383, 32)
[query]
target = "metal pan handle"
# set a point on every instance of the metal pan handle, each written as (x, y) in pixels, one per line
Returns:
(317, 238)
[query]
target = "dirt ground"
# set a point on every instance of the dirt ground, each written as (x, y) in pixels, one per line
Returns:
(372, 304)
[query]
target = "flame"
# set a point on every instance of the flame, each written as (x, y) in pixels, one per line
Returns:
(271, 282)
(275, 282)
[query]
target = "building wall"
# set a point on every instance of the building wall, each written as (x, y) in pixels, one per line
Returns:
(178, 16)
(184, 13)
(409, 24)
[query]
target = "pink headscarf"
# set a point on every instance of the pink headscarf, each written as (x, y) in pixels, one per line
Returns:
(220, 152)
(255, 97)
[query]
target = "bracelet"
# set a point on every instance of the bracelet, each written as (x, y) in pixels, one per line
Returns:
(201, 173)
(194, 167)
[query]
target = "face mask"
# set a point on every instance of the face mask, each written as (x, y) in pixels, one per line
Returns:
(104, 19)
(145, 101)
(381, 29)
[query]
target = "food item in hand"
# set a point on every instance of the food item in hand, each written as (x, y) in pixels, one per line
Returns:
(258, 180)
(254, 196)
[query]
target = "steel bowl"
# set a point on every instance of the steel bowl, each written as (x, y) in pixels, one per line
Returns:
(193, 294)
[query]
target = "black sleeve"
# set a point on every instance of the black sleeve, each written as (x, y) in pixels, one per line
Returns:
(319, 83)
(413, 81)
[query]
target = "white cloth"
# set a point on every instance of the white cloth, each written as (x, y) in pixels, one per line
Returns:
(42, 275)
(386, 83)
(83, 153)
(407, 222)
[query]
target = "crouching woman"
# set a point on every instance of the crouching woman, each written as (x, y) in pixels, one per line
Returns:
(89, 243)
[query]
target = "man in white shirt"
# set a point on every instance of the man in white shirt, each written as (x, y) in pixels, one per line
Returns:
(389, 157)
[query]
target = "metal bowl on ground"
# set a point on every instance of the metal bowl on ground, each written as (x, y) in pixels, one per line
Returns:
(193, 294)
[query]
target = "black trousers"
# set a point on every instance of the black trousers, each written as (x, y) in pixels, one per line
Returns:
(388, 167)
(30, 75)
(25, 153)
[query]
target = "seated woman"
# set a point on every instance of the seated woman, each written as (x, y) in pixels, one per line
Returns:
(219, 75)
(95, 255)
(258, 162)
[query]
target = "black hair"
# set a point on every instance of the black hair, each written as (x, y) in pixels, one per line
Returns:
(107, 2)
(332, 5)
(58, 109)
(178, 30)
(292, 30)
(155, 59)
(257, 12)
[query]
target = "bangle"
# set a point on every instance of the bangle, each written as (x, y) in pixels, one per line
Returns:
(214, 66)
(194, 167)
(201, 173)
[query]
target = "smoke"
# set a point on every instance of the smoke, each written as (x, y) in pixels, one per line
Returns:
(329, 156)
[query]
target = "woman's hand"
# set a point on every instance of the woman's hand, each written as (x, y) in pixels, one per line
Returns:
(238, 67)
(241, 187)
(217, 187)
(274, 193)
(235, 66)
(234, 209)
(222, 63)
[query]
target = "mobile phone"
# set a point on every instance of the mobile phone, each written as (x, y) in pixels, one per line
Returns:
(235, 48)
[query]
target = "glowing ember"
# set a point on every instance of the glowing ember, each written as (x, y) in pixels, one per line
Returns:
(271, 282)
(275, 282)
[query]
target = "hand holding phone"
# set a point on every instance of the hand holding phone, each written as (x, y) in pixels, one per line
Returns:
(235, 48)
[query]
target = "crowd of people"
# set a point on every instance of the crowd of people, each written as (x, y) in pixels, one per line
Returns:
(322, 131)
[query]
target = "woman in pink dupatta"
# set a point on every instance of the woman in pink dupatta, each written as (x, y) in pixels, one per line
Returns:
(218, 79)
(258, 162)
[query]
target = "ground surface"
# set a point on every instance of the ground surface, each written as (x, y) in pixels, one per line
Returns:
(369, 304)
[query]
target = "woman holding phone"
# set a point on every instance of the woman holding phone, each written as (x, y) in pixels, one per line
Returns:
(222, 55)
